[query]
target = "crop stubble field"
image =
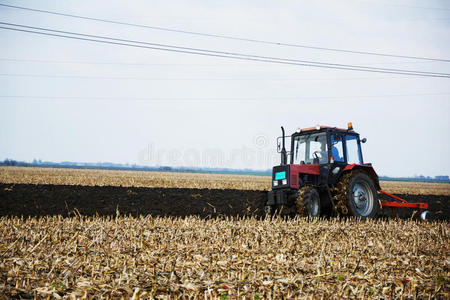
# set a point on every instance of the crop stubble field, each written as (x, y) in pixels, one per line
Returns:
(89, 177)
(204, 238)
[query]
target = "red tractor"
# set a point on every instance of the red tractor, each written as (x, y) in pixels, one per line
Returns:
(327, 175)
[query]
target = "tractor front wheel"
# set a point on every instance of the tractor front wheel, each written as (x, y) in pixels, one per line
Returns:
(362, 196)
(308, 202)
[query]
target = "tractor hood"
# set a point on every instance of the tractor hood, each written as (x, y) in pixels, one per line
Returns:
(286, 176)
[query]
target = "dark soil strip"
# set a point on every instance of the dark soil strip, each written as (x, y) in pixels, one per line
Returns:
(40, 200)
(68, 200)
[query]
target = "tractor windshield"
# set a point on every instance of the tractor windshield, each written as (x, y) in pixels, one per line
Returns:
(354, 155)
(310, 149)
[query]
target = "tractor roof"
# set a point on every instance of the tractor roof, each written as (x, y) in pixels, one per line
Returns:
(317, 128)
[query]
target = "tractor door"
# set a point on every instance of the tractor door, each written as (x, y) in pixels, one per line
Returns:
(336, 155)
(353, 150)
(336, 149)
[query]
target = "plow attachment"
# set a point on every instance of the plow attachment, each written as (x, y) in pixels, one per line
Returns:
(403, 203)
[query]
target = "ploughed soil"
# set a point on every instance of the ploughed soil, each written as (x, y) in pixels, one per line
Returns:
(71, 200)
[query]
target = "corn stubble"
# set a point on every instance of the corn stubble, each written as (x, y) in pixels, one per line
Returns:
(89, 177)
(226, 258)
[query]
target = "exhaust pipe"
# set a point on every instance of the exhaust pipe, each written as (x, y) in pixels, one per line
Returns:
(283, 150)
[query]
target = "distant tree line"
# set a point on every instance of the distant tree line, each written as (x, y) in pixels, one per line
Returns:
(12, 162)
(115, 166)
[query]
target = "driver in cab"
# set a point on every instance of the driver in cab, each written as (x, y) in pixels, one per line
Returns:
(322, 154)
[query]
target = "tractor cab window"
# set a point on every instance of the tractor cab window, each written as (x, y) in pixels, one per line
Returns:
(353, 150)
(310, 149)
(337, 151)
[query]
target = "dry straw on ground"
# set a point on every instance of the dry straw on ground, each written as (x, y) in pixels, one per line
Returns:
(223, 259)
(179, 180)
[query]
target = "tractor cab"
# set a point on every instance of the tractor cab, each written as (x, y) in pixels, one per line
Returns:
(325, 145)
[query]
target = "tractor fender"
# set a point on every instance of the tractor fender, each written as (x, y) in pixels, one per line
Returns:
(367, 169)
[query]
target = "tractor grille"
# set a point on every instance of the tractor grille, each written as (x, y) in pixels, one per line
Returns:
(294, 178)
(280, 177)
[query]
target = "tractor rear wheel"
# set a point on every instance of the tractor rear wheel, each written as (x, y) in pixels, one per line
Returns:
(362, 196)
(308, 202)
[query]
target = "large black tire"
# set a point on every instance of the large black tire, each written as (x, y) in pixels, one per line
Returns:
(308, 202)
(362, 197)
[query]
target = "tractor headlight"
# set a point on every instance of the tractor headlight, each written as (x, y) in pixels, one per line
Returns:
(284, 181)
(275, 183)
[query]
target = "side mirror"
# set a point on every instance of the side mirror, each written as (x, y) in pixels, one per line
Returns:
(278, 145)
(364, 140)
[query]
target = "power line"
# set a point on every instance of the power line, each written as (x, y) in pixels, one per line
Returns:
(47, 61)
(413, 6)
(403, 5)
(216, 98)
(421, 7)
(153, 64)
(225, 36)
(183, 79)
(225, 54)
(204, 52)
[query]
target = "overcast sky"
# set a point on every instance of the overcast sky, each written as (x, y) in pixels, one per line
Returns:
(72, 100)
